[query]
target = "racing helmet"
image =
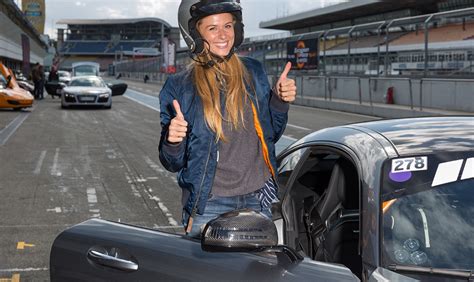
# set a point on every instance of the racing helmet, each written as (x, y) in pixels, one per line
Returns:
(191, 11)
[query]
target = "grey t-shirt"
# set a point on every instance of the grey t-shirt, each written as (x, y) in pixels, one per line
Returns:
(241, 168)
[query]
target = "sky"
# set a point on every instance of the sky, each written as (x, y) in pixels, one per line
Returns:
(254, 11)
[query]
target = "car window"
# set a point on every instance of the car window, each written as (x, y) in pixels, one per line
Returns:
(87, 82)
(286, 167)
(428, 211)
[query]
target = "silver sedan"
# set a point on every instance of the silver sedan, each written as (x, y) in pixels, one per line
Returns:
(86, 91)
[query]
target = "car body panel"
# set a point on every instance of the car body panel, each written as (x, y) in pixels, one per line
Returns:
(13, 96)
(170, 257)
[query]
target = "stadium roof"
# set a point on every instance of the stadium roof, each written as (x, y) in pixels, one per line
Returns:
(345, 11)
(110, 21)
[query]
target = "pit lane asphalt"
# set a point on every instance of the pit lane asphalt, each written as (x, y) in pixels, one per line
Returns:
(61, 167)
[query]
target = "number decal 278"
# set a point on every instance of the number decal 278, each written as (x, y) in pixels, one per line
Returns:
(409, 164)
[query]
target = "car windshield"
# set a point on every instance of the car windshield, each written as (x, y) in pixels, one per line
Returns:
(87, 81)
(85, 70)
(428, 211)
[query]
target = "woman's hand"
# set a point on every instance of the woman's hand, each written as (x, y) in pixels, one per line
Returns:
(178, 126)
(285, 87)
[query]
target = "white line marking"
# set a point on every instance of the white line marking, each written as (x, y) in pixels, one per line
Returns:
(447, 172)
(91, 196)
(56, 209)
(140, 102)
(40, 163)
(11, 128)
(425, 227)
(289, 138)
(23, 269)
(54, 169)
(165, 227)
(165, 210)
(298, 127)
(468, 169)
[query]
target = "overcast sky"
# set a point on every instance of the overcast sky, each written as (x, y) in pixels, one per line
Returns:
(254, 11)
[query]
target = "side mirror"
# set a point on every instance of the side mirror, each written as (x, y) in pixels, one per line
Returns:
(239, 231)
(61, 85)
(245, 231)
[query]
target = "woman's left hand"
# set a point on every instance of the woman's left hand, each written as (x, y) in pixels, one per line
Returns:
(286, 87)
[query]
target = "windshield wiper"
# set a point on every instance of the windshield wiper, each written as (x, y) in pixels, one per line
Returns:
(459, 273)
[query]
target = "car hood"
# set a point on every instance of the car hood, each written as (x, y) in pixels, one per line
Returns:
(86, 90)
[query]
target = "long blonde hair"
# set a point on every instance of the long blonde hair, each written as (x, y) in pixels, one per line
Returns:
(231, 77)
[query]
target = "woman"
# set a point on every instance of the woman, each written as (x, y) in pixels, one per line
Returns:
(221, 119)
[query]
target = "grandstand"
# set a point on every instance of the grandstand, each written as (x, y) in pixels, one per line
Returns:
(429, 37)
(107, 40)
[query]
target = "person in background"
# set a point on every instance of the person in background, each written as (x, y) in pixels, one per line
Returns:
(35, 77)
(41, 82)
(221, 118)
(53, 76)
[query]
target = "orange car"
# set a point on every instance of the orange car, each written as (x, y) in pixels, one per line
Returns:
(11, 95)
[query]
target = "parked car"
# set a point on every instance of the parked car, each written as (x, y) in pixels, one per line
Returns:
(11, 94)
(23, 82)
(86, 91)
(64, 76)
(387, 200)
(85, 69)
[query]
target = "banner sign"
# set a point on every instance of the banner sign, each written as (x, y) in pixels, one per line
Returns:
(25, 46)
(34, 11)
(169, 55)
(303, 54)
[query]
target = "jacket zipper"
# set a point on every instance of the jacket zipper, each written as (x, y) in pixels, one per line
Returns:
(194, 210)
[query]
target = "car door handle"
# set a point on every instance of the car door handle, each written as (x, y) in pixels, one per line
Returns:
(110, 261)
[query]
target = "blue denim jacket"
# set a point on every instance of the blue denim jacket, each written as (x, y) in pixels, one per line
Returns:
(195, 159)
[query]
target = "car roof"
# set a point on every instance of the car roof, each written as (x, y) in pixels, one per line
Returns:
(411, 136)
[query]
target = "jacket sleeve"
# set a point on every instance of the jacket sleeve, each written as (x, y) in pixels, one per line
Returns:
(278, 109)
(172, 156)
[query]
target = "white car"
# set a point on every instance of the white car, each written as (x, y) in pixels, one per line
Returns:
(86, 91)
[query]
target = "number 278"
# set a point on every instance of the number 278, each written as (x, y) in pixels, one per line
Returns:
(410, 164)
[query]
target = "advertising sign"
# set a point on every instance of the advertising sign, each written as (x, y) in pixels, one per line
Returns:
(303, 54)
(169, 55)
(142, 51)
(25, 46)
(34, 11)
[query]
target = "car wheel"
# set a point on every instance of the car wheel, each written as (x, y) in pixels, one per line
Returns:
(17, 109)
(108, 107)
(64, 106)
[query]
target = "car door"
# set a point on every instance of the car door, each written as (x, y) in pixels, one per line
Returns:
(100, 250)
(320, 203)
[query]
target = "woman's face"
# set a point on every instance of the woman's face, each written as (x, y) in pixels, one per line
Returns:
(218, 31)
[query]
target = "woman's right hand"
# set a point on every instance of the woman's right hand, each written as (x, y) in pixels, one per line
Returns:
(178, 126)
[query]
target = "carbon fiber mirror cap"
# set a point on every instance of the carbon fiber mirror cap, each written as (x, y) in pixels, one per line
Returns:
(239, 231)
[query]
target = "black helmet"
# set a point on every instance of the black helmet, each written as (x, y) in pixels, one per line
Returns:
(191, 11)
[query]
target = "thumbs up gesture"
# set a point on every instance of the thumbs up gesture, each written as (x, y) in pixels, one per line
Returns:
(178, 125)
(285, 87)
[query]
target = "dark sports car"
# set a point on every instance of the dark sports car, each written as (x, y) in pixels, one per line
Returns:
(381, 201)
